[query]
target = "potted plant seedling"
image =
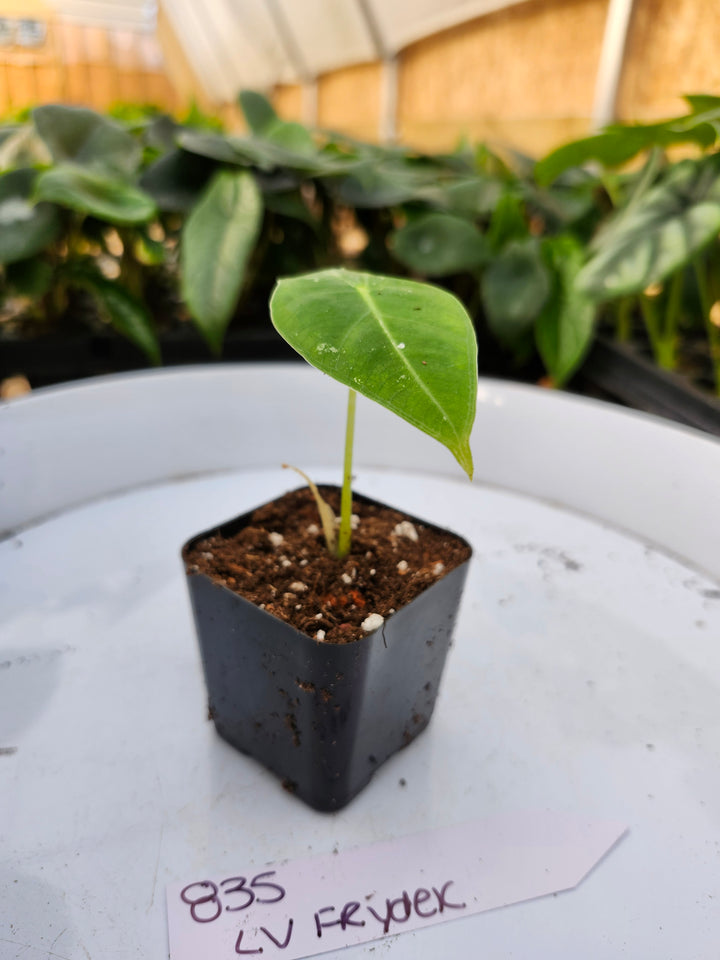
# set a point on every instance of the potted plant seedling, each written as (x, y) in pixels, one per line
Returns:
(323, 639)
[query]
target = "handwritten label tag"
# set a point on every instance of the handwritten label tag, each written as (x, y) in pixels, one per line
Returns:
(305, 907)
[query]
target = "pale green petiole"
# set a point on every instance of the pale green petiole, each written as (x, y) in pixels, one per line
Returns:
(345, 531)
(339, 545)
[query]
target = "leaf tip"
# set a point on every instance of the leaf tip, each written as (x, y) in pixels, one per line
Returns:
(465, 458)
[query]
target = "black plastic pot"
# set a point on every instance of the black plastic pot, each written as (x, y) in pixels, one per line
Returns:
(321, 716)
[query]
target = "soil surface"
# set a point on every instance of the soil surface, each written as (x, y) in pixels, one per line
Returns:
(279, 561)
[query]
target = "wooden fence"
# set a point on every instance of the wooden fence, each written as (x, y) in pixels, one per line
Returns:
(527, 74)
(85, 65)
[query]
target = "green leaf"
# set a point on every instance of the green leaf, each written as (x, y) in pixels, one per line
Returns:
(409, 346)
(176, 180)
(258, 111)
(508, 221)
(515, 288)
(472, 198)
(7, 132)
(17, 183)
(21, 147)
(124, 313)
(261, 153)
(150, 252)
(662, 232)
(214, 146)
(378, 186)
(701, 102)
(564, 329)
(610, 149)
(571, 198)
(25, 228)
(438, 244)
(290, 204)
(293, 137)
(217, 241)
(80, 136)
(29, 278)
(160, 133)
(618, 144)
(97, 194)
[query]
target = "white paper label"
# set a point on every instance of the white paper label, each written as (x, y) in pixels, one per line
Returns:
(305, 907)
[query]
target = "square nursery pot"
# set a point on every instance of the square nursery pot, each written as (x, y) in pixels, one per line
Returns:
(321, 716)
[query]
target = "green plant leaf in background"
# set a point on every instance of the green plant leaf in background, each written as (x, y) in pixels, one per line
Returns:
(122, 311)
(21, 147)
(438, 244)
(8, 131)
(508, 221)
(95, 193)
(214, 146)
(149, 252)
(263, 122)
(408, 346)
(159, 133)
(176, 180)
(217, 241)
(290, 204)
(572, 197)
(665, 228)
(383, 185)
(29, 278)
(564, 329)
(258, 111)
(702, 102)
(261, 153)
(25, 228)
(471, 198)
(80, 136)
(293, 137)
(515, 288)
(618, 144)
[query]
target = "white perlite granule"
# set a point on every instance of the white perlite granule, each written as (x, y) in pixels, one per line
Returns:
(320, 635)
(275, 539)
(406, 529)
(372, 622)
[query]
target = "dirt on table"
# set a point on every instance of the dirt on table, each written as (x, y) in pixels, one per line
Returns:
(279, 561)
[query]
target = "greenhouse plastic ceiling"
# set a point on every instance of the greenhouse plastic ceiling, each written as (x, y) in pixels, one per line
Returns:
(258, 43)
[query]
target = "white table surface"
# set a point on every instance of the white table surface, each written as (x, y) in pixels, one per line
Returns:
(585, 676)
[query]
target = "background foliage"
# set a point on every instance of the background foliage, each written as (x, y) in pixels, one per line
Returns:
(140, 222)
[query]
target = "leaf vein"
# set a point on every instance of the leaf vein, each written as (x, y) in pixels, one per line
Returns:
(365, 295)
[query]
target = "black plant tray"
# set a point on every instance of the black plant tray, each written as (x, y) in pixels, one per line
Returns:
(59, 357)
(620, 373)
